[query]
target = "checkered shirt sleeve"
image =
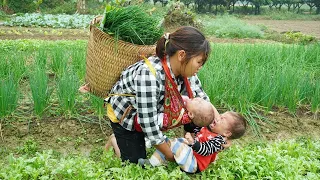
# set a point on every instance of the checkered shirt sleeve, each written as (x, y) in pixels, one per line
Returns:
(146, 98)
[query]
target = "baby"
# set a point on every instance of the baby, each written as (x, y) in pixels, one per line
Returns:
(195, 154)
(197, 110)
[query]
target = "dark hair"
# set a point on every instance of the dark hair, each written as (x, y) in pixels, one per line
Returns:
(239, 126)
(185, 38)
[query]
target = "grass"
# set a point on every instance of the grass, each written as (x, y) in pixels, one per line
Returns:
(288, 15)
(9, 95)
(59, 61)
(230, 27)
(40, 90)
(67, 88)
(243, 76)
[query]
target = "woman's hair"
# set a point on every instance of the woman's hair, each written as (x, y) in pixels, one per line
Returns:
(239, 126)
(186, 38)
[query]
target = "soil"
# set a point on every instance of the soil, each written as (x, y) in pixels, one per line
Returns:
(67, 135)
(281, 26)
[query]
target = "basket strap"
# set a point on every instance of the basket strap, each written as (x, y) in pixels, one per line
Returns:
(148, 63)
(153, 71)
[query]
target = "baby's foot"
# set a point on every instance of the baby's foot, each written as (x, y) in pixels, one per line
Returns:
(143, 162)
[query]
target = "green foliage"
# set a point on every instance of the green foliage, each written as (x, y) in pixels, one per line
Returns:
(40, 90)
(243, 76)
(179, 15)
(98, 105)
(230, 27)
(79, 63)
(49, 20)
(12, 69)
(12, 65)
(22, 6)
(8, 96)
(59, 61)
(30, 147)
(131, 24)
(67, 84)
(291, 159)
(298, 37)
(275, 14)
(65, 8)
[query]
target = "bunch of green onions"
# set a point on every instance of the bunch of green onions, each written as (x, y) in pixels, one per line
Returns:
(131, 24)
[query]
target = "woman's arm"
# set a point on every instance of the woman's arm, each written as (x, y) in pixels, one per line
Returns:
(146, 99)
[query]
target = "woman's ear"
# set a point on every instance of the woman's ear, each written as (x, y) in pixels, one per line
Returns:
(190, 114)
(181, 55)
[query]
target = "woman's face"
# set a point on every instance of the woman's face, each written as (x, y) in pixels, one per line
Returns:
(192, 67)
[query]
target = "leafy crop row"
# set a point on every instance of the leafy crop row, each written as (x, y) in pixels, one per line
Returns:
(48, 20)
(291, 159)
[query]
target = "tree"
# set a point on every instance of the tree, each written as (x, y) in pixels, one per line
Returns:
(310, 4)
(317, 5)
(5, 5)
(257, 4)
(81, 6)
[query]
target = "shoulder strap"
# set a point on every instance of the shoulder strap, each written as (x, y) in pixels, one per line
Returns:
(153, 71)
(148, 63)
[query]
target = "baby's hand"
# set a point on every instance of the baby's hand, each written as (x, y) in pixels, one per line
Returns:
(189, 138)
(228, 143)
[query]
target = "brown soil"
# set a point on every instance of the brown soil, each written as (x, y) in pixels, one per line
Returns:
(281, 26)
(70, 135)
(42, 33)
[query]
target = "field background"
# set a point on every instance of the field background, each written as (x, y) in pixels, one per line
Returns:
(86, 131)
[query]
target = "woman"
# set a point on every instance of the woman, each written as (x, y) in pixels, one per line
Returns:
(139, 94)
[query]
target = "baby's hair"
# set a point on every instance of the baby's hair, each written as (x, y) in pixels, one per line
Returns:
(239, 125)
(204, 116)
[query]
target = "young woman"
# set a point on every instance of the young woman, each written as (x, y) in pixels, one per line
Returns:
(148, 88)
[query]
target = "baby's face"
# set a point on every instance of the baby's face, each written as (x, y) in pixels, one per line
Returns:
(222, 125)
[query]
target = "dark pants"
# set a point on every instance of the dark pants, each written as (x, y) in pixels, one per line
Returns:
(131, 143)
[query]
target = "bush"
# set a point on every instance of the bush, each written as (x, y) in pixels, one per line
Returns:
(22, 6)
(59, 7)
(231, 27)
(297, 37)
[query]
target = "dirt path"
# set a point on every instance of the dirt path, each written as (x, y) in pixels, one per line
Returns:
(306, 27)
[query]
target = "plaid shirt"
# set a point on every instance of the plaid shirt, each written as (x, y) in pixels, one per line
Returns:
(148, 101)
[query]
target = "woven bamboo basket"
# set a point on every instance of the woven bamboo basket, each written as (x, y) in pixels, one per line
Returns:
(107, 58)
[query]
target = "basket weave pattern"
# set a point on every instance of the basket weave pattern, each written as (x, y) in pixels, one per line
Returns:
(107, 58)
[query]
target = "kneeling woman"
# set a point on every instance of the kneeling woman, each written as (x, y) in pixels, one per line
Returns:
(145, 89)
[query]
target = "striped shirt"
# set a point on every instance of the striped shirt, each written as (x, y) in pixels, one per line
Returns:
(148, 101)
(209, 147)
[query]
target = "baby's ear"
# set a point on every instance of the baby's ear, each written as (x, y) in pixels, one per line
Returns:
(191, 115)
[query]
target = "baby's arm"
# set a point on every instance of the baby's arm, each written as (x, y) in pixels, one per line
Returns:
(209, 147)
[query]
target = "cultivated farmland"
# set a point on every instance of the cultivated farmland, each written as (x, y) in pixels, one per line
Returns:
(51, 131)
